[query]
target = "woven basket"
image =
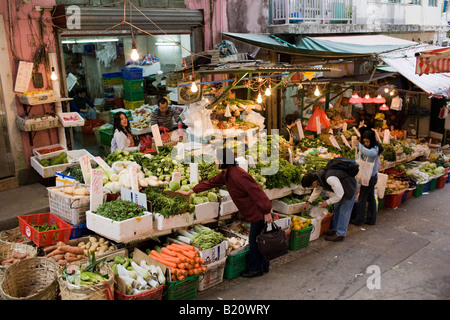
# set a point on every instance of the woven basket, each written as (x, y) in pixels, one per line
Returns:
(102, 291)
(31, 279)
(13, 236)
(7, 250)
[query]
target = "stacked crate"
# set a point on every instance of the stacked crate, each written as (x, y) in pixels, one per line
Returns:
(133, 88)
(109, 81)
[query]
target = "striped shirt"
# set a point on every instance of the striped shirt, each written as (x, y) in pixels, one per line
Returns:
(166, 121)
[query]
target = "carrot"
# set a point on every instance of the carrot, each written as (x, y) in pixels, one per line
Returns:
(174, 277)
(174, 247)
(58, 257)
(201, 261)
(182, 266)
(168, 252)
(70, 249)
(170, 258)
(197, 270)
(190, 272)
(181, 278)
(187, 247)
(71, 259)
(50, 248)
(196, 265)
(190, 255)
(62, 262)
(167, 263)
(54, 253)
(182, 257)
(203, 268)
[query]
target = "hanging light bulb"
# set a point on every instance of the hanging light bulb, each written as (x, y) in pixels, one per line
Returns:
(268, 91)
(194, 87)
(134, 53)
(355, 99)
(259, 99)
(317, 92)
(379, 99)
(53, 76)
(367, 99)
(386, 89)
(384, 107)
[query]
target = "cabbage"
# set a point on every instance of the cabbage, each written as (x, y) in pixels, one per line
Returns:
(205, 199)
(198, 200)
(174, 185)
(185, 188)
(212, 197)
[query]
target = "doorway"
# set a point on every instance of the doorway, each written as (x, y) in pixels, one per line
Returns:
(6, 157)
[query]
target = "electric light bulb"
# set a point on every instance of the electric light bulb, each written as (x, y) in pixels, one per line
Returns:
(268, 91)
(259, 99)
(317, 92)
(194, 87)
(53, 76)
(134, 54)
(392, 93)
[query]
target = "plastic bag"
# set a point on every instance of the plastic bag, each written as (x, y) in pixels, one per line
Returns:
(365, 170)
(318, 112)
(198, 118)
(255, 118)
(381, 184)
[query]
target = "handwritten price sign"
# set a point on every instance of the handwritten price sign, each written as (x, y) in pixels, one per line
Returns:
(86, 169)
(96, 189)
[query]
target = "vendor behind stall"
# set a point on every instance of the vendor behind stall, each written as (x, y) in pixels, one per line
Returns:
(286, 131)
(82, 104)
(164, 116)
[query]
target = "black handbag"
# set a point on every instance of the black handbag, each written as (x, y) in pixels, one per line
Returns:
(273, 243)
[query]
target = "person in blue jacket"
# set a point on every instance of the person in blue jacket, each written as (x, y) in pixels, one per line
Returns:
(83, 105)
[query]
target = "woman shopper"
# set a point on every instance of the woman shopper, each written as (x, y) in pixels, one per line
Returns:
(249, 198)
(122, 139)
(370, 150)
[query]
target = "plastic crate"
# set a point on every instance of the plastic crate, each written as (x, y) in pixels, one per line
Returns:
(433, 184)
(448, 179)
(325, 223)
(132, 105)
(132, 73)
(133, 85)
(441, 181)
(419, 190)
(213, 275)
(89, 125)
(426, 187)
(182, 290)
(393, 200)
(44, 238)
(112, 81)
(133, 95)
(78, 231)
(153, 294)
(299, 238)
(236, 263)
(112, 75)
(407, 195)
(106, 136)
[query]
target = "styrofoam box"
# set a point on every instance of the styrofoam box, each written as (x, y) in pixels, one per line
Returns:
(228, 207)
(47, 172)
(284, 222)
(216, 253)
(71, 123)
(177, 221)
(278, 193)
(50, 154)
(206, 211)
(119, 231)
(282, 207)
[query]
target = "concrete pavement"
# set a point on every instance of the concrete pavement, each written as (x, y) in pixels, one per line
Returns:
(409, 247)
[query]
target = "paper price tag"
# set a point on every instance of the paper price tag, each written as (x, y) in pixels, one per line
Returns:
(318, 125)
(377, 135)
(334, 142)
(134, 196)
(251, 162)
(387, 136)
(86, 169)
(301, 135)
(157, 135)
(96, 196)
(23, 76)
(291, 160)
(250, 138)
(344, 126)
(345, 141)
(176, 176)
(103, 164)
(357, 132)
(193, 172)
(134, 179)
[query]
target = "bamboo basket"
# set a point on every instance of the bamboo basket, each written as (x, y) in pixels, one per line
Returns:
(14, 235)
(101, 291)
(31, 279)
(7, 249)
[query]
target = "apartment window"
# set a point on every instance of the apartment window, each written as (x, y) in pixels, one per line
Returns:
(432, 3)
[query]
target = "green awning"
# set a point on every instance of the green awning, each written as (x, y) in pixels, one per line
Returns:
(325, 47)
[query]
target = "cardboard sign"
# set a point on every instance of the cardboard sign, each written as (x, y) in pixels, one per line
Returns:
(193, 172)
(134, 196)
(301, 135)
(377, 135)
(250, 139)
(86, 169)
(291, 160)
(134, 179)
(334, 142)
(354, 139)
(176, 176)
(387, 136)
(357, 132)
(103, 164)
(180, 150)
(345, 141)
(23, 76)
(96, 196)
(157, 135)
(318, 125)
(344, 127)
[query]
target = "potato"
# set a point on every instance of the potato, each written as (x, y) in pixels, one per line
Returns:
(81, 244)
(111, 248)
(93, 247)
(88, 245)
(92, 239)
(101, 240)
(106, 243)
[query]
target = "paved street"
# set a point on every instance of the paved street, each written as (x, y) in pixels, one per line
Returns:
(409, 246)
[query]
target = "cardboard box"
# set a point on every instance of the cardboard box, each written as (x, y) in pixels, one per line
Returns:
(120, 231)
(216, 253)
